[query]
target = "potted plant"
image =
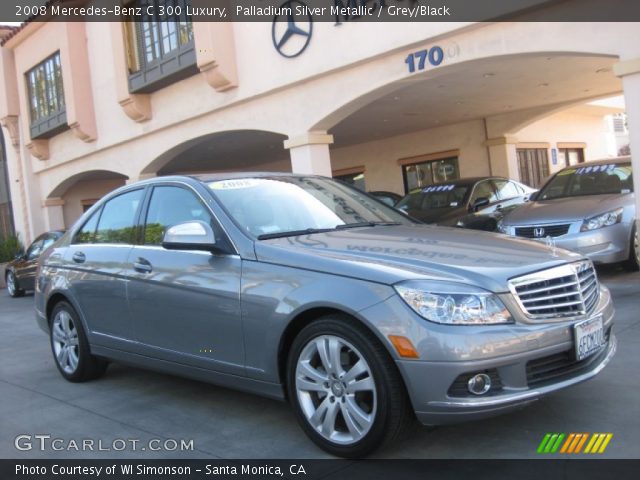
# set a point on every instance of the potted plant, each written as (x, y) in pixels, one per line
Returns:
(10, 246)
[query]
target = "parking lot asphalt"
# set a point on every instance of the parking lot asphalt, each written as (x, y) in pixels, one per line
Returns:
(130, 404)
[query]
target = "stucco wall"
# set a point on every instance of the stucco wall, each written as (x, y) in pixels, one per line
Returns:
(568, 127)
(381, 157)
(85, 190)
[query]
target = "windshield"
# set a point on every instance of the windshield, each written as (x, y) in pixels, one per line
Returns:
(435, 196)
(591, 180)
(269, 207)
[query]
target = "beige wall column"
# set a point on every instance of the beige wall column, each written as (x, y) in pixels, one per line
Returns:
(53, 213)
(503, 158)
(629, 71)
(310, 153)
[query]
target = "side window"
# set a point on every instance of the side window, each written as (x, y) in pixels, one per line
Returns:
(35, 249)
(48, 242)
(169, 206)
(117, 222)
(483, 189)
(87, 233)
(506, 189)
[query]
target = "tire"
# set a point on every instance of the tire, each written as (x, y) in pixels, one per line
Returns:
(70, 347)
(13, 287)
(342, 420)
(633, 262)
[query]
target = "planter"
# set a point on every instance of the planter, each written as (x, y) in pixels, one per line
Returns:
(2, 270)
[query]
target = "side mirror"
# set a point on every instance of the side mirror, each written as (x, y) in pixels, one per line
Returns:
(479, 203)
(194, 235)
(19, 255)
(532, 196)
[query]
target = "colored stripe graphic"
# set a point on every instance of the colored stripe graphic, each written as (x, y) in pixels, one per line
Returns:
(598, 443)
(543, 443)
(573, 443)
(551, 442)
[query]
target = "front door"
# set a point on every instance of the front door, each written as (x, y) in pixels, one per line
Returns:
(185, 305)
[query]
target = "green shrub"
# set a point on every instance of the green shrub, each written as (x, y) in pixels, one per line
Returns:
(10, 246)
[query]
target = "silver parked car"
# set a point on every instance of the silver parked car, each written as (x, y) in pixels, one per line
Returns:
(588, 208)
(305, 289)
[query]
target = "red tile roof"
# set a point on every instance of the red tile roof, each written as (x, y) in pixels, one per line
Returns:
(16, 30)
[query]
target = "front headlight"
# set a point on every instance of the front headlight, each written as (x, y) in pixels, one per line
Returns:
(603, 220)
(453, 304)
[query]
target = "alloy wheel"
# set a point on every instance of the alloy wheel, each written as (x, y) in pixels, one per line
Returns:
(636, 247)
(65, 341)
(336, 389)
(11, 284)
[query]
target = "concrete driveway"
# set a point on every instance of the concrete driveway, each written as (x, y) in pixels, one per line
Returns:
(130, 406)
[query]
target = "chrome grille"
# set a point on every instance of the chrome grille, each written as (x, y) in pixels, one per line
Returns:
(567, 291)
(542, 231)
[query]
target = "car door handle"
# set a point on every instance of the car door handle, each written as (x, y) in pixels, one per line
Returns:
(142, 265)
(499, 207)
(79, 257)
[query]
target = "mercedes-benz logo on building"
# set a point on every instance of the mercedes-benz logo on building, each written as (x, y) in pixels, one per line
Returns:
(291, 33)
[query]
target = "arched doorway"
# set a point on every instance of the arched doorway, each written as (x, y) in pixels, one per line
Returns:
(224, 151)
(78, 193)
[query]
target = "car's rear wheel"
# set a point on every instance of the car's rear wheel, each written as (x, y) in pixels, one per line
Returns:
(633, 263)
(345, 389)
(70, 346)
(12, 285)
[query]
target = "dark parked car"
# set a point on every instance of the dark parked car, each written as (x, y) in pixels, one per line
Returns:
(20, 273)
(469, 202)
(305, 289)
(390, 198)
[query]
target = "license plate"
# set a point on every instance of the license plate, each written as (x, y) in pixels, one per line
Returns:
(589, 337)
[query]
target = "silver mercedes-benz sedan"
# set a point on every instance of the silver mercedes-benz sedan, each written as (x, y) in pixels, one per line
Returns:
(588, 208)
(301, 288)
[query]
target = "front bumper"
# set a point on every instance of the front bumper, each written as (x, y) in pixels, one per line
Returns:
(514, 354)
(451, 410)
(604, 245)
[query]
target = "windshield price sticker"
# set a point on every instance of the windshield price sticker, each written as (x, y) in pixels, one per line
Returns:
(595, 168)
(439, 188)
(234, 184)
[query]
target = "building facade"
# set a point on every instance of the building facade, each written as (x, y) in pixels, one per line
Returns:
(88, 106)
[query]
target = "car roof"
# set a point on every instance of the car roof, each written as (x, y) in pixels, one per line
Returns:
(212, 177)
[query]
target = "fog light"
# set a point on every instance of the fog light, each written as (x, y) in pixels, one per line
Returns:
(479, 384)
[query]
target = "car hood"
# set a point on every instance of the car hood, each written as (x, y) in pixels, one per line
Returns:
(569, 209)
(441, 216)
(389, 254)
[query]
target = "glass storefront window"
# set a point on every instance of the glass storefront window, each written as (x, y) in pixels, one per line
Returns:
(419, 175)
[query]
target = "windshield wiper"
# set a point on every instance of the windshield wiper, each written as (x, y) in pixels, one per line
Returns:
(293, 233)
(307, 231)
(366, 224)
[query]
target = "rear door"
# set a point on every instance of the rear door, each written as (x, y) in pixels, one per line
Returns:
(185, 305)
(96, 261)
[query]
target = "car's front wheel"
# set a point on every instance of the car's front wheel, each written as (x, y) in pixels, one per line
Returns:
(70, 346)
(12, 285)
(345, 389)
